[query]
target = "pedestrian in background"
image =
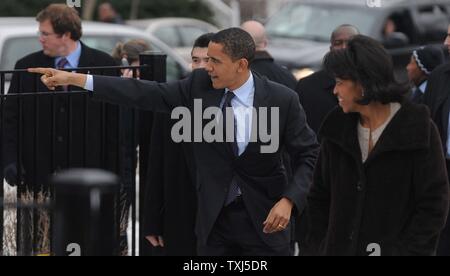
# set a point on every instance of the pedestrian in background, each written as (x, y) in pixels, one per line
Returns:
(263, 63)
(171, 202)
(127, 54)
(107, 14)
(437, 98)
(423, 62)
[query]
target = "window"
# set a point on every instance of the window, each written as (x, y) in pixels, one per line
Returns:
(168, 35)
(17, 48)
(190, 33)
(432, 21)
(317, 22)
(103, 43)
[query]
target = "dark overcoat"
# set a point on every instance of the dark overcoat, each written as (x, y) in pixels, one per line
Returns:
(397, 199)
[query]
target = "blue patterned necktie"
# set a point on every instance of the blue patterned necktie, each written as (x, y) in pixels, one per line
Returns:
(234, 190)
(61, 65)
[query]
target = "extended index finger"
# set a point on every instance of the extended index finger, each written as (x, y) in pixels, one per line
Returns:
(43, 71)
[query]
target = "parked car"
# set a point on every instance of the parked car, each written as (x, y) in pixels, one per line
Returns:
(178, 33)
(18, 38)
(300, 32)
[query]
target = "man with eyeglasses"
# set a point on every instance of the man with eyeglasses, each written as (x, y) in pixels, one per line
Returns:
(54, 132)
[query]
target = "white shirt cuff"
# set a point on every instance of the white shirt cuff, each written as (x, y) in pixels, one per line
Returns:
(89, 83)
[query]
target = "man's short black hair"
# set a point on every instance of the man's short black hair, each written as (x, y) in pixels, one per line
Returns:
(203, 40)
(365, 61)
(237, 43)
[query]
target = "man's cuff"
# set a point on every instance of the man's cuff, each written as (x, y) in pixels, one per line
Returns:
(89, 85)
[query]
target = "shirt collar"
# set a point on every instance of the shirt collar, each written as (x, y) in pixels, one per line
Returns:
(73, 58)
(423, 87)
(244, 92)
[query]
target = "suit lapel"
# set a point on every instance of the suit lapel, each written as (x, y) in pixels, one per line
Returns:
(85, 57)
(48, 61)
(261, 99)
(42, 61)
(213, 98)
(444, 100)
(445, 118)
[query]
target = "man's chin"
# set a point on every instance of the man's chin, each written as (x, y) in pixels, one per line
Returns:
(49, 53)
(217, 85)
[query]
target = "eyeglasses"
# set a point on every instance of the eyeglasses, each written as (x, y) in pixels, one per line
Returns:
(45, 34)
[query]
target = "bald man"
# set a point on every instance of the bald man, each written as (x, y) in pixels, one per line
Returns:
(341, 35)
(258, 32)
(264, 64)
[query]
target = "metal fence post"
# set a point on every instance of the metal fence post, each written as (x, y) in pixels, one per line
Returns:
(2, 194)
(155, 69)
(84, 218)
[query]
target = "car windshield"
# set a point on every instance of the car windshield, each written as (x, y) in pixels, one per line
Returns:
(317, 22)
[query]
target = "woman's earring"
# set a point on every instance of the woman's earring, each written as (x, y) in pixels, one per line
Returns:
(363, 93)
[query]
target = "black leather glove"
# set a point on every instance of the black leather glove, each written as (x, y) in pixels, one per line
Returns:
(11, 176)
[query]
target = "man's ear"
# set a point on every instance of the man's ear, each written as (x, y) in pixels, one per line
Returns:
(265, 43)
(67, 35)
(243, 65)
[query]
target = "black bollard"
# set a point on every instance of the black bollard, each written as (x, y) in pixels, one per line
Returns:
(85, 214)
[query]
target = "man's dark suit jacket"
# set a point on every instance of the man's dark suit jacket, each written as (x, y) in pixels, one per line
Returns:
(437, 98)
(92, 140)
(265, 66)
(170, 198)
(316, 96)
(262, 177)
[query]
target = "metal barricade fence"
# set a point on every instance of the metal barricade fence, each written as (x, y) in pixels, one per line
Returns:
(54, 131)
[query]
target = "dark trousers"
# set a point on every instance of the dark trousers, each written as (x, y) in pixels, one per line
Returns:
(444, 242)
(234, 235)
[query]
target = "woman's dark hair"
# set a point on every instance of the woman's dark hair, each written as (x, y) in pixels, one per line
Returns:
(365, 61)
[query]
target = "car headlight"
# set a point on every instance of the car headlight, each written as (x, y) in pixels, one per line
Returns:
(302, 73)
